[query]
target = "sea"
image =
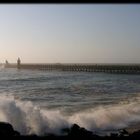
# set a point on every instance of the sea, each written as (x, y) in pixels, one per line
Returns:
(45, 102)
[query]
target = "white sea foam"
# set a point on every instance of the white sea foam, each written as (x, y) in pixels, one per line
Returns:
(28, 119)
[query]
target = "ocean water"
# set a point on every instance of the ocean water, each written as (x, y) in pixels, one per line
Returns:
(42, 102)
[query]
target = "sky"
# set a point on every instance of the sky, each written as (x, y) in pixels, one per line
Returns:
(70, 33)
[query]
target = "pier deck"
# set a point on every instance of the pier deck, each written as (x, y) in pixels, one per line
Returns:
(108, 68)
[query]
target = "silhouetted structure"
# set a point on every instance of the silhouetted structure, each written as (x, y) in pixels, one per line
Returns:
(6, 62)
(18, 63)
(107, 68)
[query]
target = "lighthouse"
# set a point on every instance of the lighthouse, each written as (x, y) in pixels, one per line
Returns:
(18, 63)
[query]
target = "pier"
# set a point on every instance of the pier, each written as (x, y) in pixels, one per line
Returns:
(106, 68)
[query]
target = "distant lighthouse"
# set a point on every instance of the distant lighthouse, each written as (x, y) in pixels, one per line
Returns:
(18, 63)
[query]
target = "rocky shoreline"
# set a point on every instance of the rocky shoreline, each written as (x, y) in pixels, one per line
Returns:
(75, 132)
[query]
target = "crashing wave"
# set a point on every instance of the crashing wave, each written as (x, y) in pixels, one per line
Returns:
(30, 119)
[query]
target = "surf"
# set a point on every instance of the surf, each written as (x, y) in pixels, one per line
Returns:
(30, 119)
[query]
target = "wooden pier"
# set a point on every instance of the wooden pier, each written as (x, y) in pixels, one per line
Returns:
(107, 68)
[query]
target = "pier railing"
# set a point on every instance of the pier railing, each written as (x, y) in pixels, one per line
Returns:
(108, 68)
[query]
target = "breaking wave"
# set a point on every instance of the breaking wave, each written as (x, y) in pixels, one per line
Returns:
(30, 119)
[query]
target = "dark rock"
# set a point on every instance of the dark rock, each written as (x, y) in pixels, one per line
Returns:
(114, 135)
(135, 134)
(6, 129)
(66, 130)
(123, 132)
(16, 133)
(77, 131)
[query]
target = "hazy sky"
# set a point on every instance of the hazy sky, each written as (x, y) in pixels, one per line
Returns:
(70, 33)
